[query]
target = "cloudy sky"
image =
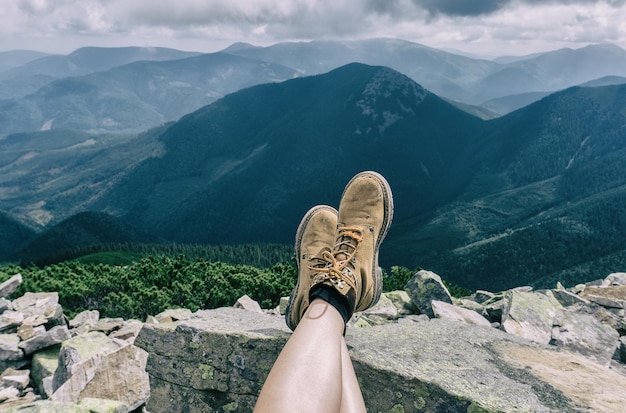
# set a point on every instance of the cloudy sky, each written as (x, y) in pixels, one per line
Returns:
(485, 27)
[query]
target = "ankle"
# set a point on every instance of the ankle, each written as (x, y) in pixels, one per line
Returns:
(320, 310)
(339, 302)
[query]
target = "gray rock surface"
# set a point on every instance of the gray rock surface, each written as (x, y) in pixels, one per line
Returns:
(218, 359)
(564, 351)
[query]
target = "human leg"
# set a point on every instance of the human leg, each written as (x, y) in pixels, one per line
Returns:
(337, 255)
(351, 396)
(307, 375)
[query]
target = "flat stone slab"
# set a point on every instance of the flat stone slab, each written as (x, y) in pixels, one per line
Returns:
(218, 360)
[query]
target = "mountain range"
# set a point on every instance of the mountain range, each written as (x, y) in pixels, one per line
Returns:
(532, 197)
(134, 89)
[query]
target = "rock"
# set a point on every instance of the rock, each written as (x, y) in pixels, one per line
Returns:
(401, 300)
(9, 348)
(282, 305)
(451, 312)
(8, 393)
(622, 349)
(612, 319)
(469, 304)
(493, 310)
(5, 305)
(585, 335)
(20, 379)
(617, 278)
(78, 349)
(56, 335)
(94, 365)
(481, 296)
(567, 298)
(613, 296)
(10, 320)
(87, 405)
(414, 318)
(129, 331)
(382, 312)
(423, 288)
(108, 325)
(530, 315)
(103, 405)
(44, 364)
(218, 359)
(9, 286)
(37, 320)
(36, 303)
(89, 317)
(249, 304)
(119, 375)
(172, 314)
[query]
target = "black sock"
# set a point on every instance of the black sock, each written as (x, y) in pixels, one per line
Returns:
(332, 297)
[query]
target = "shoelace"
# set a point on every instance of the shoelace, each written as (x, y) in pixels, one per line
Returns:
(337, 266)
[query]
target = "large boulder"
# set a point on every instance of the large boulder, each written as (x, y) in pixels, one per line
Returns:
(452, 312)
(423, 288)
(611, 296)
(96, 366)
(530, 315)
(217, 360)
(584, 334)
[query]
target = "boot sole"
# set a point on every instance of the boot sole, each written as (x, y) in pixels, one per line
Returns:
(387, 218)
(298, 251)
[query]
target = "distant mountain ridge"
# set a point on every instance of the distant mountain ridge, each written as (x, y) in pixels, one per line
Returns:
(20, 80)
(136, 96)
(93, 89)
(535, 196)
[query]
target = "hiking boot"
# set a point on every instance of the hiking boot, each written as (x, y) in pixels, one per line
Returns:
(316, 233)
(364, 217)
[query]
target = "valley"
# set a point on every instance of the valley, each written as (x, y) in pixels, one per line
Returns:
(233, 147)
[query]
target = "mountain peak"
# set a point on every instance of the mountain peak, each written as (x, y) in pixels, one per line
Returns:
(387, 97)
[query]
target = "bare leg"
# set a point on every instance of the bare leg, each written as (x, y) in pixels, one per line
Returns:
(352, 398)
(307, 376)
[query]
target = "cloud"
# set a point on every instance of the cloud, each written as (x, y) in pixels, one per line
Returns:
(440, 23)
(461, 7)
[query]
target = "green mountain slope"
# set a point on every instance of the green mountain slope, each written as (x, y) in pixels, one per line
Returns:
(489, 204)
(245, 168)
(13, 235)
(549, 198)
(81, 230)
(46, 177)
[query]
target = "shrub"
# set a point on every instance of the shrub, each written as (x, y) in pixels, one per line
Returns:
(154, 284)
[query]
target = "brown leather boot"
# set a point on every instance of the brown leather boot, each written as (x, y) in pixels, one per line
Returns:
(364, 217)
(316, 233)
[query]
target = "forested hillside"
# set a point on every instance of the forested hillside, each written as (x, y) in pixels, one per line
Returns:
(529, 198)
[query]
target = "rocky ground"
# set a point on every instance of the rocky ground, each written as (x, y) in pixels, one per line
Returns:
(416, 350)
